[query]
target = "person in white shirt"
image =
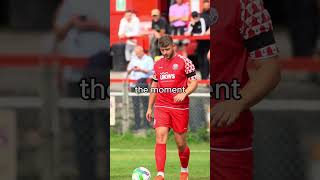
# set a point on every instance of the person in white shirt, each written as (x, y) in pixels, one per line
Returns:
(129, 27)
(81, 29)
(140, 69)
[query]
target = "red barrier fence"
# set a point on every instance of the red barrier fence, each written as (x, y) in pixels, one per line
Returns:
(144, 41)
(306, 64)
(7, 60)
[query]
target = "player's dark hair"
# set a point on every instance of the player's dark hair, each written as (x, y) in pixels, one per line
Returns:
(165, 41)
(206, 1)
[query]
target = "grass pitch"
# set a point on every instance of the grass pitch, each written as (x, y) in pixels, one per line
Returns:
(128, 152)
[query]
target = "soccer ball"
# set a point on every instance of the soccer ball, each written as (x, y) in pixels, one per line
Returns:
(141, 173)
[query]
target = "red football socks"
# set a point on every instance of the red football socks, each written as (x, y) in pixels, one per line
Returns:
(160, 155)
(184, 157)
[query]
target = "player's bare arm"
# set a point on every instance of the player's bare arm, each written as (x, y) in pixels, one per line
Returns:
(152, 99)
(191, 88)
(266, 78)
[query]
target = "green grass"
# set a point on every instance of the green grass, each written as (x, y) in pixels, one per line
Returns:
(129, 152)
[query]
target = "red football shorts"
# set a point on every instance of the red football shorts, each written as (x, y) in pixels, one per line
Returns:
(229, 165)
(177, 119)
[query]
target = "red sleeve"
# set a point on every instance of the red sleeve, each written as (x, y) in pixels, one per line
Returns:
(189, 69)
(256, 30)
(154, 75)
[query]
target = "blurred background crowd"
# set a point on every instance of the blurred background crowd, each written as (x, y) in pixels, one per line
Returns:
(188, 22)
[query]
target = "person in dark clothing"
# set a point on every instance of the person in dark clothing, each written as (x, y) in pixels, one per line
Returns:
(303, 15)
(86, 122)
(159, 27)
(204, 45)
(206, 14)
(197, 26)
(200, 27)
(303, 23)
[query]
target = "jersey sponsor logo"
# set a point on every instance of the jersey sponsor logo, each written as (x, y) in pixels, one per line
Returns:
(175, 66)
(167, 76)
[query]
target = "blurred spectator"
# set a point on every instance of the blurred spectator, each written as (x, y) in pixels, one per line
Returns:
(159, 27)
(179, 17)
(197, 25)
(139, 69)
(81, 30)
(205, 14)
(303, 15)
(129, 27)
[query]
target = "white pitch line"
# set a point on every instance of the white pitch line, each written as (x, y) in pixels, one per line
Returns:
(152, 150)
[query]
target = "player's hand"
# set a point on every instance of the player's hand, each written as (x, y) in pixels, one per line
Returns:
(149, 114)
(180, 97)
(225, 113)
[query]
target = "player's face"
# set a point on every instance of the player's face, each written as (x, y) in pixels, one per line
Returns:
(168, 51)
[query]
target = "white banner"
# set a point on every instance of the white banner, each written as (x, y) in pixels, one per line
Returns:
(195, 5)
(121, 5)
(112, 110)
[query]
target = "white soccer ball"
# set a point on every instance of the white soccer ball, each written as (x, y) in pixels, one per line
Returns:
(141, 173)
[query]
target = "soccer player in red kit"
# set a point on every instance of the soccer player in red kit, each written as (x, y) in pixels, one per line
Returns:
(171, 108)
(241, 30)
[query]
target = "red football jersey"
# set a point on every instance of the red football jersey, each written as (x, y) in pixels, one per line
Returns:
(172, 76)
(242, 29)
